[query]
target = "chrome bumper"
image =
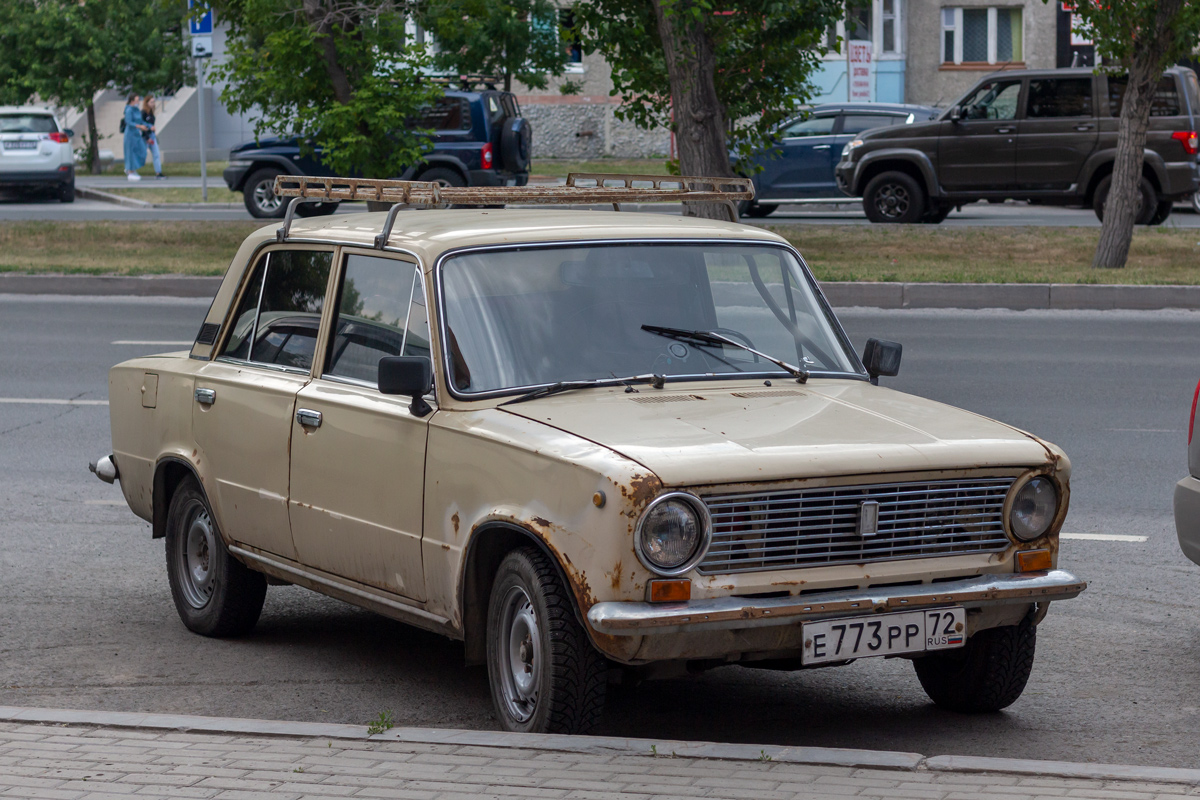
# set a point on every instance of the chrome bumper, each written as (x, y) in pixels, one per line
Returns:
(636, 619)
(105, 469)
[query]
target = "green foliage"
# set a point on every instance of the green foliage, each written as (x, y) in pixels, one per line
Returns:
(1122, 30)
(336, 73)
(765, 53)
(510, 38)
(383, 722)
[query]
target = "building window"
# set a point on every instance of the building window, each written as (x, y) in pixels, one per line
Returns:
(982, 35)
(877, 22)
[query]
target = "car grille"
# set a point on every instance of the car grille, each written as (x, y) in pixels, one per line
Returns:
(757, 531)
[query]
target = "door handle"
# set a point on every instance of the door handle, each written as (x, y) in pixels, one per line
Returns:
(1084, 127)
(206, 397)
(308, 418)
(1005, 129)
(821, 147)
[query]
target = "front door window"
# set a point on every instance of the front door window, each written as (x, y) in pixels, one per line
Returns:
(993, 100)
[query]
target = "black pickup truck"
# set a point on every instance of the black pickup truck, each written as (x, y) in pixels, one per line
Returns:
(1042, 136)
(479, 139)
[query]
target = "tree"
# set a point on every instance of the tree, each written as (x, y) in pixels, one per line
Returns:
(66, 51)
(513, 38)
(1141, 38)
(339, 74)
(735, 68)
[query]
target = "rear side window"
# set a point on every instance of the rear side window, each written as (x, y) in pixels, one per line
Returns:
(857, 123)
(280, 313)
(813, 126)
(1166, 101)
(27, 123)
(1193, 86)
(1059, 97)
(381, 312)
(447, 114)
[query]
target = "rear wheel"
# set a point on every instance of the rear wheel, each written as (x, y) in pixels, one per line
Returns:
(443, 176)
(1146, 206)
(1196, 202)
(1162, 212)
(545, 675)
(259, 194)
(66, 193)
(894, 197)
(214, 593)
(987, 674)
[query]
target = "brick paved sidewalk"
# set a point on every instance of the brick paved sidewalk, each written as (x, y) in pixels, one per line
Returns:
(104, 762)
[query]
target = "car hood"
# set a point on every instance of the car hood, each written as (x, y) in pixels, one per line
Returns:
(926, 128)
(702, 434)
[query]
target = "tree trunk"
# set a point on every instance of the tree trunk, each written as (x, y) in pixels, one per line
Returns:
(93, 153)
(318, 18)
(699, 114)
(1145, 70)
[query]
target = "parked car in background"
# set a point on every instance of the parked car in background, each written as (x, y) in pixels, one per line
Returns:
(588, 444)
(35, 153)
(1045, 136)
(799, 167)
(1187, 492)
(480, 139)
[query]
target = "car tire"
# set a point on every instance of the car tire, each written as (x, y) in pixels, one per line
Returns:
(214, 593)
(894, 197)
(259, 196)
(749, 208)
(937, 213)
(1162, 212)
(66, 193)
(987, 674)
(545, 675)
(316, 209)
(1145, 212)
(1196, 202)
(443, 176)
(516, 144)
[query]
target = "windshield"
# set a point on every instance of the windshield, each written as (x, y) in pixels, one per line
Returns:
(27, 123)
(534, 316)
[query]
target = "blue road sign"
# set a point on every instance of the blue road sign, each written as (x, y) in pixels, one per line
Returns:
(204, 25)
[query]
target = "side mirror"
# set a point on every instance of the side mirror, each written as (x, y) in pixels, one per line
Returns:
(955, 114)
(882, 358)
(70, 133)
(409, 376)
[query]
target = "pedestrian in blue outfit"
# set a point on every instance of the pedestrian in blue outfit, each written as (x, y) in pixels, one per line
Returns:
(135, 145)
(151, 136)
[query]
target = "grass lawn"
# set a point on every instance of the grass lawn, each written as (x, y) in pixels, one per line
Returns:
(155, 194)
(990, 255)
(559, 167)
(121, 248)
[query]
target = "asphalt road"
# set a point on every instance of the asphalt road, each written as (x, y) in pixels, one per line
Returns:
(88, 621)
(1010, 214)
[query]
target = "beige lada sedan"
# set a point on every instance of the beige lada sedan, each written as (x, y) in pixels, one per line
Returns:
(584, 442)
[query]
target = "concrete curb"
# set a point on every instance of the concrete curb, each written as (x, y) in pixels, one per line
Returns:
(602, 745)
(95, 194)
(1015, 296)
(110, 285)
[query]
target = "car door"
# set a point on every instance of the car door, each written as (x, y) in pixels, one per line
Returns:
(358, 456)
(1058, 132)
(803, 162)
(244, 398)
(977, 152)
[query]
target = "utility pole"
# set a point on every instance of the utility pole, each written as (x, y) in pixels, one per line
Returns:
(203, 141)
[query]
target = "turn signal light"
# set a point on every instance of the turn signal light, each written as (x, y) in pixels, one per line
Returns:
(1192, 421)
(670, 591)
(486, 155)
(60, 137)
(1033, 560)
(1189, 141)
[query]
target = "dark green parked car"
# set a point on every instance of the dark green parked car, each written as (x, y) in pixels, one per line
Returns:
(1045, 136)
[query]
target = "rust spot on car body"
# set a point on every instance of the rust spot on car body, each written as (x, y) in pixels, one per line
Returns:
(616, 576)
(454, 522)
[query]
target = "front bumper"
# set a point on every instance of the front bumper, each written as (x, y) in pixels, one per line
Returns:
(843, 173)
(1187, 517)
(730, 613)
(235, 174)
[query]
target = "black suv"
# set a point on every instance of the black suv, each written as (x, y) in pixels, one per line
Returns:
(480, 139)
(1046, 137)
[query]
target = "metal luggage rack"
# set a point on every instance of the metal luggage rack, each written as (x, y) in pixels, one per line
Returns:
(582, 188)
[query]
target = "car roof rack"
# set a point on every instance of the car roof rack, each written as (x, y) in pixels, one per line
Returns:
(581, 188)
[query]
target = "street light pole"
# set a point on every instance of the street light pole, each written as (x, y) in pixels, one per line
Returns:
(203, 148)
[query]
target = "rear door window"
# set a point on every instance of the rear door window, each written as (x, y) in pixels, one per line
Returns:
(447, 114)
(1059, 97)
(280, 312)
(857, 123)
(1166, 101)
(813, 126)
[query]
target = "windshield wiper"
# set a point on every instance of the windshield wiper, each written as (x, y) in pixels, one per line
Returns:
(656, 381)
(709, 338)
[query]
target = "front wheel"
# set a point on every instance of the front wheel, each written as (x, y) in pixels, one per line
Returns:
(259, 196)
(1162, 212)
(214, 593)
(544, 673)
(894, 197)
(1146, 204)
(987, 674)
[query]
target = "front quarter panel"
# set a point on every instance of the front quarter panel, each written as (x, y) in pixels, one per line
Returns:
(488, 467)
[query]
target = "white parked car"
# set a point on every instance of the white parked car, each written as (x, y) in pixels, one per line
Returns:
(35, 152)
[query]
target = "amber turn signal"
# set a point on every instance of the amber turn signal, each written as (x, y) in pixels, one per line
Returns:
(670, 591)
(1033, 560)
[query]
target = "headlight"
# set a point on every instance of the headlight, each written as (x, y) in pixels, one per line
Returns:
(673, 534)
(1033, 509)
(850, 146)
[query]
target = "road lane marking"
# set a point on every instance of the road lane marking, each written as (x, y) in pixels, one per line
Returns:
(51, 401)
(1145, 430)
(156, 343)
(1104, 537)
(104, 502)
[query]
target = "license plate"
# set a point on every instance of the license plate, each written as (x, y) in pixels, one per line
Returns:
(884, 635)
(20, 145)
